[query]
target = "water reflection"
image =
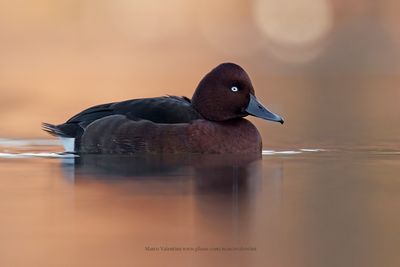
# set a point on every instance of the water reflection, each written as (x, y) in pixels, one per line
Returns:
(176, 201)
(204, 173)
(333, 208)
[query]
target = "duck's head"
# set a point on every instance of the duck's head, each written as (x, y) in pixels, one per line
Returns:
(226, 93)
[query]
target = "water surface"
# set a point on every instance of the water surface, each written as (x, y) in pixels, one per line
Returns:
(293, 207)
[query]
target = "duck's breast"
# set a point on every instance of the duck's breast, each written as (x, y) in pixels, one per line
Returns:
(238, 136)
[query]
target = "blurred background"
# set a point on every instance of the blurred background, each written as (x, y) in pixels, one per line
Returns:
(329, 67)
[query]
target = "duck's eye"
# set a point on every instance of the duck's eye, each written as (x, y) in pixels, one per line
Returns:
(234, 89)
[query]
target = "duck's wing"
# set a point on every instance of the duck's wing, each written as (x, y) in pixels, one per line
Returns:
(168, 109)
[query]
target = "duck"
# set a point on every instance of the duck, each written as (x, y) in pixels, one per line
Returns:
(211, 122)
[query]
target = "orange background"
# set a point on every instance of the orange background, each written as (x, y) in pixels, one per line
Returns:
(330, 68)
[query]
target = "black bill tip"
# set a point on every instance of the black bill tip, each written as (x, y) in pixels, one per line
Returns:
(256, 109)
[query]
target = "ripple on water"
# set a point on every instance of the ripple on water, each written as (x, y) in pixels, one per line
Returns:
(35, 155)
(31, 148)
(11, 145)
(291, 152)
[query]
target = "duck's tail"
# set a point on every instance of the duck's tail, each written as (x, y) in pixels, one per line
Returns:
(67, 141)
(54, 130)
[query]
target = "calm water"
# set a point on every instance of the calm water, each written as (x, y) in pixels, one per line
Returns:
(299, 207)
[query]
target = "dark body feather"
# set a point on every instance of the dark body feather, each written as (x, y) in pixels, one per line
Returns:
(166, 110)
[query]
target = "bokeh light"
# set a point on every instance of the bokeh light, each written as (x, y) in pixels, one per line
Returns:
(295, 29)
(294, 22)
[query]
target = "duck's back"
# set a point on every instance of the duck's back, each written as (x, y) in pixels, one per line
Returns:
(168, 109)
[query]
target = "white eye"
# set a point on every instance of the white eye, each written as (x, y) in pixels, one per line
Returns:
(234, 89)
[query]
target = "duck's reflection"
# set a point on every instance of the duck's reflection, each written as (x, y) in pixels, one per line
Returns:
(207, 171)
(215, 195)
(198, 174)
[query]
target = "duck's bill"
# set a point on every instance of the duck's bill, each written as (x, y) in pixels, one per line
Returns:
(256, 109)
